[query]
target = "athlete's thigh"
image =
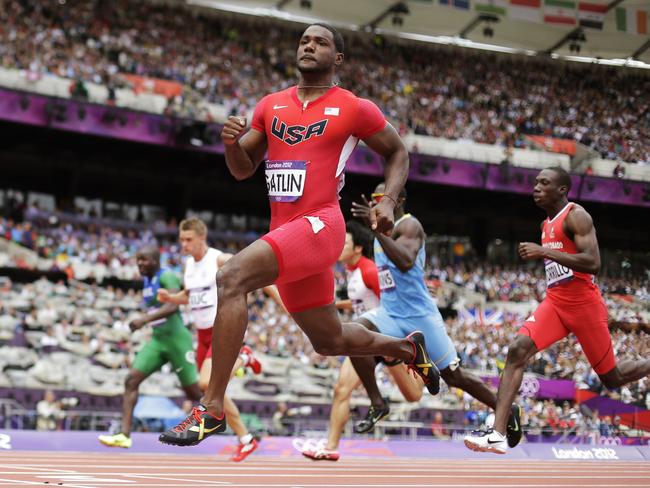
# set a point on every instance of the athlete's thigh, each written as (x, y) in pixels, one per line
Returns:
(589, 323)
(308, 293)
(307, 245)
(253, 267)
(544, 326)
(150, 358)
(180, 353)
(439, 345)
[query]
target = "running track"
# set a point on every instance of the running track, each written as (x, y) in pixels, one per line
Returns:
(86, 470)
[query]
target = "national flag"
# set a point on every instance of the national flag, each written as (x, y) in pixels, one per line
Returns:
(492, 317)
(632, 20)
(592, 15)
(467, 316)
(461, 4)
(527, 10)
(478, 316)
(560, 12)
(496, 7)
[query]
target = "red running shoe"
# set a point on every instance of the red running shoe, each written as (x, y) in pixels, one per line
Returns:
(253, 363)
(322, 454)
(243, 451)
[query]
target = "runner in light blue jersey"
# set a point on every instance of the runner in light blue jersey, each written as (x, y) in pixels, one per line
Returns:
(407, 306)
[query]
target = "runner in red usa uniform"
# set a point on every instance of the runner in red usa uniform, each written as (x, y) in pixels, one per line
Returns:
(308, 131)
(573, 304)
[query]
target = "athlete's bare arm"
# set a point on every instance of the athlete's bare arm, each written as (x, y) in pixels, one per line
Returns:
(243, 153)
(344, 305)
(162, 313)
(580, 225)
(180, 298)
(403, 250)
(387, 143)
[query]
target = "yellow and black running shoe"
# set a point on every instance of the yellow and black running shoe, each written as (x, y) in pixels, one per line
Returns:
(422, 363)
(198, 425)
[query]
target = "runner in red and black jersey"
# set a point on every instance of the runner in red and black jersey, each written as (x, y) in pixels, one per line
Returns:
(573, 303)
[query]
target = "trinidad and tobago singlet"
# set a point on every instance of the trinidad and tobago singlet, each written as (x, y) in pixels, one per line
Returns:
(308, 146)
(562, 282)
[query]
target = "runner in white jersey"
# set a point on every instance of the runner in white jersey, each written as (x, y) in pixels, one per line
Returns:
(363, 295)
(200, 292)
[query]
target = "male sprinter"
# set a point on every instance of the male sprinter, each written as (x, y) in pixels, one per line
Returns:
(171, 342)
(200, 292)
(406, 305)
(309, 131)
(572, 305)
(363, 293)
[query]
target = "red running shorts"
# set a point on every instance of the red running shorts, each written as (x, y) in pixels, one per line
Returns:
(306, 249)
(552, 321)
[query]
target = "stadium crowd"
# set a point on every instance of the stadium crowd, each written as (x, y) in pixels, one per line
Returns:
(451, 93)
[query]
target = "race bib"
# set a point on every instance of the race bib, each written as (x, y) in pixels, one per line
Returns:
(386, 281)
(203, 297)
(285, 180)
(556, 274)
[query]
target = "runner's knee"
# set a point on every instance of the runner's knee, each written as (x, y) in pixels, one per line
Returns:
(131, 383)
(520, 351)
(342, 390)
(229, 278)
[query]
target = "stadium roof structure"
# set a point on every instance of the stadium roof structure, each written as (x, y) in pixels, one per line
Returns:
(484, 24)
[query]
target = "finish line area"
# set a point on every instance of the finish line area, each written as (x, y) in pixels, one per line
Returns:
(78, 461)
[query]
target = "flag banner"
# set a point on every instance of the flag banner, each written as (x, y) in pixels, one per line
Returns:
(632, 21)
(496, 7)
(560, 12)
(591, 15)
(460, 4)
(526, 10)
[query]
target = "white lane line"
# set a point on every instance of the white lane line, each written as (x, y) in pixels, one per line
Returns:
(338, 467)
(87, 476)
(160, 478)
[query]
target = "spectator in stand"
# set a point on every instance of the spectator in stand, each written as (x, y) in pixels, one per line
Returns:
(442, 92)
(619, 170)
(48, 412)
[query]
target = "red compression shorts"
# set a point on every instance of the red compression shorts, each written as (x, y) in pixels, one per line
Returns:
(552, 321)
(305, 254)
(204, 347)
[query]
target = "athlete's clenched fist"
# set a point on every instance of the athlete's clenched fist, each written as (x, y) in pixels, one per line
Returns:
(232, 129)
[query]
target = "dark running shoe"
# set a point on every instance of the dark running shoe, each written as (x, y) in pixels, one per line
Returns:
(422, 364)
(374, 415)
(197, 426)
(514, 432)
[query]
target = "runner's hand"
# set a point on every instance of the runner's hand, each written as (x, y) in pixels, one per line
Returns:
(136, 324)
(530, 250)
(163, 295)
(362, 210)
(382, 219)
(232, 129)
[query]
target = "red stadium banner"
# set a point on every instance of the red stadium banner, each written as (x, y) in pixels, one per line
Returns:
(153, 85)
(553, 144)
